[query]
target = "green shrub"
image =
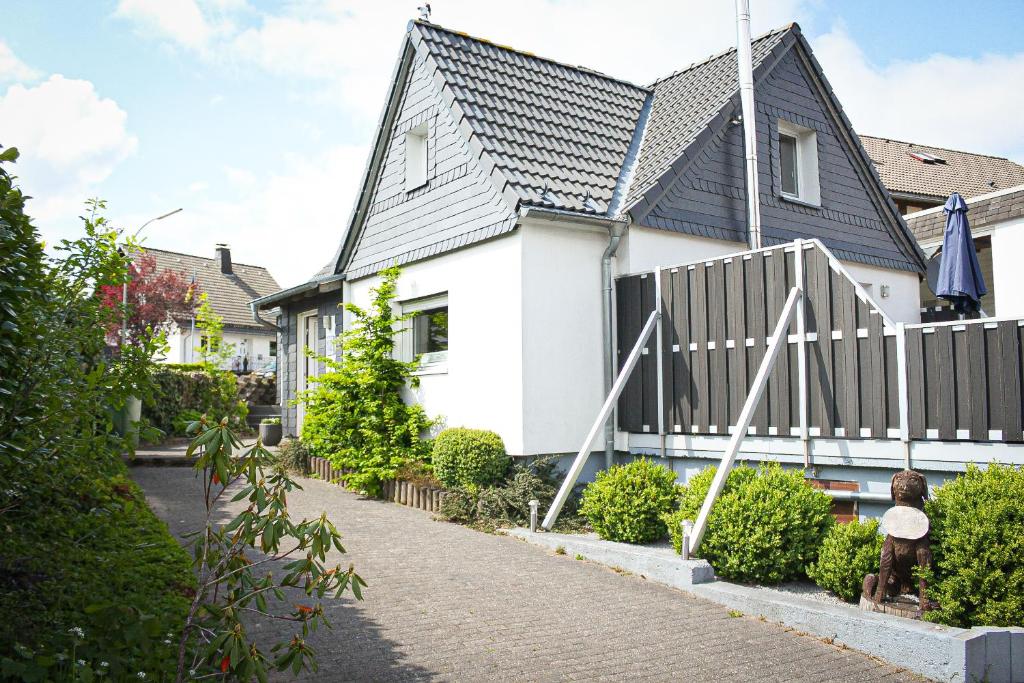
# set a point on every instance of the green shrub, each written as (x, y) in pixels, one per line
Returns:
(184, 392)
(765, 527)
(469, 457)
(977, 538)
(292, 456)
(355, 415)
(459, 506)
(848, 553)
(626, 503)
(691, 497)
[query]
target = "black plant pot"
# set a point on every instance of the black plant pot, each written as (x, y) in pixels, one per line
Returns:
(270, 434)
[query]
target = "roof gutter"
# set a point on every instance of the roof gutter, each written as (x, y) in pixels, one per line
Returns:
(316, 285)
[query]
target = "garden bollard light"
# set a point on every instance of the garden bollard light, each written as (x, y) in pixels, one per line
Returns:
(533, 515)
(687, 534)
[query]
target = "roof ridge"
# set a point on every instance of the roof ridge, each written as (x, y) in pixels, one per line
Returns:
(723, 53)
(532, 55)
(945, 149)
(205, 258)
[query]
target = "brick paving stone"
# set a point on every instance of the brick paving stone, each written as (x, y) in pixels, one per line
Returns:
(446, 603)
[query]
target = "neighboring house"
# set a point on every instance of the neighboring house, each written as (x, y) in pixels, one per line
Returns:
(511, 188)
(997, 225)
(229, 287)
(921, 178)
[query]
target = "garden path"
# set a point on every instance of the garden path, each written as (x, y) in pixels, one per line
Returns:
(446, 603)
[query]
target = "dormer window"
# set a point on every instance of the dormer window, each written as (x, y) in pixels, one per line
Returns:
(416, 157)
(798, 163)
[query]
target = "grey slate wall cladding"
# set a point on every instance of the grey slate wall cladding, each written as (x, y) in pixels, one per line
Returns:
(458, 205)
(325, 304)
(981, 213)
(708, 199)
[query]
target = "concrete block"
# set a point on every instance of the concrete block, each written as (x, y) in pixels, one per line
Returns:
(1016, 654)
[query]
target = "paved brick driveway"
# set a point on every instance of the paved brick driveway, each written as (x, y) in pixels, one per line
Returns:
(448, 603)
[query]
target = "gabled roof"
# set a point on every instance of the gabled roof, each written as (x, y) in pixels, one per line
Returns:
(557, 133)
(942, 171)
(229, 295)
(685, 103)
(571, 139)
(983, 211)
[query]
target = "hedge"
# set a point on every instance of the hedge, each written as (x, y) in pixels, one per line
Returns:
(183, 392)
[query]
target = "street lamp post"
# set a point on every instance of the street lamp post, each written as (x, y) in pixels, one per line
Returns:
(124, 288)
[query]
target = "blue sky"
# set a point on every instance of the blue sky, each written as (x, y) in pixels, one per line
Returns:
(255, 117)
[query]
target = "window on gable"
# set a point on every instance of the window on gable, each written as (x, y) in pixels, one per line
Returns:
(798, 163)
(416, 157)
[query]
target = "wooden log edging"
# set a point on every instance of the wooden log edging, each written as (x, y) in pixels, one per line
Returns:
(399, 491)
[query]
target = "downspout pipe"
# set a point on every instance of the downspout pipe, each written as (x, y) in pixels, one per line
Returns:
(744, 64)
(265, 323)
(615, 231)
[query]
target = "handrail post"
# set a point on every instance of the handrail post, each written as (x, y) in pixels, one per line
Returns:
(660, 359)
(609, 404)
(903, 390)
(801, 350)
(778, 340)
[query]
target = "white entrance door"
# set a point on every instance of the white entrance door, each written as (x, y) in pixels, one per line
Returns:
(305, 367)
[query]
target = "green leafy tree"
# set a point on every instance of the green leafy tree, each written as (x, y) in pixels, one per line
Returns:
(213, 352)
(230, 559)
(355, 415)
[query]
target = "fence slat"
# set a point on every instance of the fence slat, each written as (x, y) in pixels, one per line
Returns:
(737, 356)
(915, 383)
(756, 331)
(977, 390)
(1011, 361)
(668, 334)
(682, 381)
(778, 386)
(649, 361)
(946, 388)
(719, 380)
(699, 310)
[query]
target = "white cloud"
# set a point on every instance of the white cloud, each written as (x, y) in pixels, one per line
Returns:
(180, 20)
(70, 139)
(290, 220)
(967, 103)
(12, 69)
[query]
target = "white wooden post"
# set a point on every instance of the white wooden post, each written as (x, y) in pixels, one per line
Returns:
(903, 390)
(801, 350)
(777, 342)
(609, 404)
(659, 362)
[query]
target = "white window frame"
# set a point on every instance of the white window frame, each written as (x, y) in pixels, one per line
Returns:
(807, 183)
(430, 363)
(302, 380)
(417, 148)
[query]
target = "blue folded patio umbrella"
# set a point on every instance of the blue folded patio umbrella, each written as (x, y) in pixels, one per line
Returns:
(960, 280)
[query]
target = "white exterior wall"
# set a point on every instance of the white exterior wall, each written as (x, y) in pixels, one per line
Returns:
(642, 249)
(481, 386)
(1007, 273)
(903, 304)
(563, 358)
(181, 346)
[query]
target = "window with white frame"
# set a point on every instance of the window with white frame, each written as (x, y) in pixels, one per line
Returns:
(416, 157)
(798, 163)
(426, 338)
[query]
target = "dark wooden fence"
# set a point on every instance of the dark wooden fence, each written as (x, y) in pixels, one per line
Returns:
(959, 380)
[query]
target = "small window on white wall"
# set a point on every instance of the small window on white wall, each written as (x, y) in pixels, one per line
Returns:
(798, 163)
(416, 157)
(426, 334)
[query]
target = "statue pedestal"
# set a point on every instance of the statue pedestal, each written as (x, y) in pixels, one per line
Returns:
(903, 608)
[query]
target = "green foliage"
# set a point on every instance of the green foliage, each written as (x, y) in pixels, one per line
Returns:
(508, 504)
(626, 502)
(469, 457)
(233, 582)
(765, 527)
(355, 415)
(87, 572)
(977, 535)
(213, 352)
(849, 552)
(691, 498)
(270, 421)
(184, 392)
(293, 456)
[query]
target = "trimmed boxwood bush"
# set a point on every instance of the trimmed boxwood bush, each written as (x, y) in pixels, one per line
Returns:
(977, 540)
(848, 553)
(765, 527)
(626, 503)
(469, 457)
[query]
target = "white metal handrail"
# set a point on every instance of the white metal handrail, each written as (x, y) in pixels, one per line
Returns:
(606, 410)
(778, 340)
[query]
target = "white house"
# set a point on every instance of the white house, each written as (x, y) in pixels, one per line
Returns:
(513, 189)
(229, 287)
